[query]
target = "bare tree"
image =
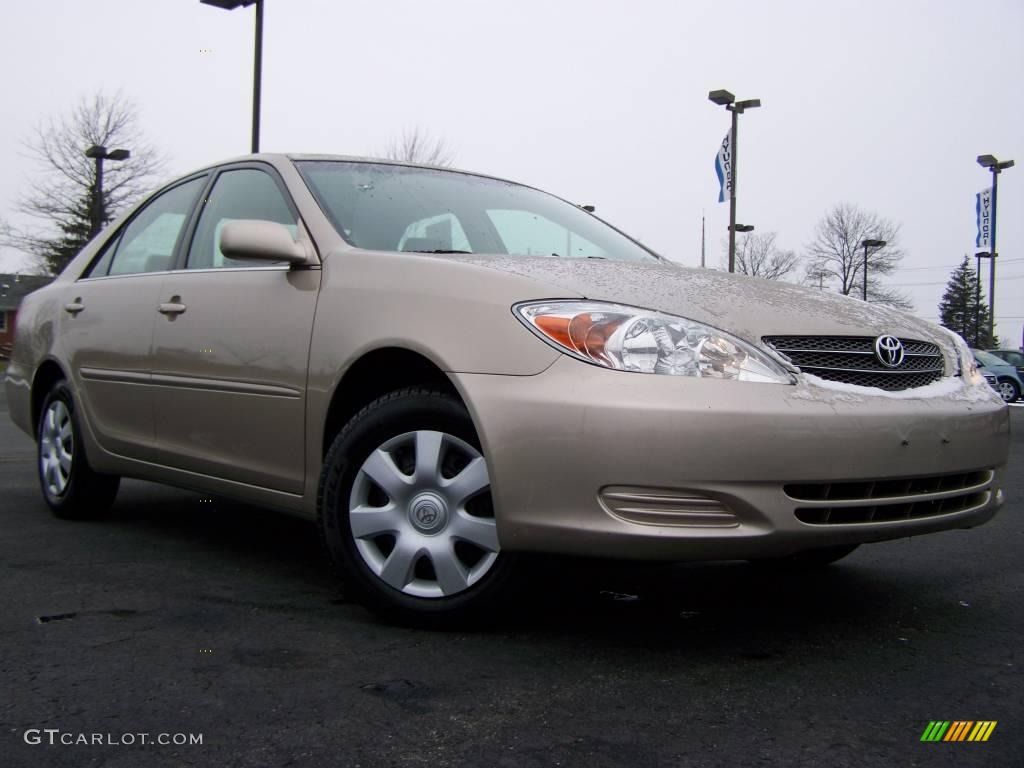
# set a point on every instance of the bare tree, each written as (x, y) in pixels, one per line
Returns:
(417, 146)
(836, 255)
(59, 200)
(814, 277)
(759, 256)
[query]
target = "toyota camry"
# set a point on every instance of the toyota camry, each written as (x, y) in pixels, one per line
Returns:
(449, 371)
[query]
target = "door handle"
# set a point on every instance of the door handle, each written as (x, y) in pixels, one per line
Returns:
(173, 307)
(74, 307)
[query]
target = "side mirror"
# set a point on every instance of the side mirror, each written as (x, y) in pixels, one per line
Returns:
(255, 239)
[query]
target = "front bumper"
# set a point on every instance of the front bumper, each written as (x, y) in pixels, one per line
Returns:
(589, 461)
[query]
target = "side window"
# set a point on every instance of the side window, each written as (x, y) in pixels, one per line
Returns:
(101, 266)
(438, 233)
(147, 244)
(525, 233)
(241, 194)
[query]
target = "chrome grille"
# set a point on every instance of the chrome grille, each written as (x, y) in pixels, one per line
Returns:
(876, 501)
(852, 360)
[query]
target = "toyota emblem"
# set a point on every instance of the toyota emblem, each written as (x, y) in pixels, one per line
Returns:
(889, 351)
(427, 514)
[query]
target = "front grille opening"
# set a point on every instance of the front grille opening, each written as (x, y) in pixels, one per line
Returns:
(852, 360)
(883, 513)
(887, 500)
(886, 489)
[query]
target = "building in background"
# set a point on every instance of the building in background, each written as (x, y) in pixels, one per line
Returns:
(14, 288)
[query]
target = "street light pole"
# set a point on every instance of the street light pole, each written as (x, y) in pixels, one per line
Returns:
(726, 99)
(98, 212)
(977, 297)
(257, 75)
(735, 130)
(992, 259)
(97, 193)
(990, 162)
(869, 244)
(257, 78)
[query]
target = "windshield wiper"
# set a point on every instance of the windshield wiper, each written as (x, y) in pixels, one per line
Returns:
(439, 250)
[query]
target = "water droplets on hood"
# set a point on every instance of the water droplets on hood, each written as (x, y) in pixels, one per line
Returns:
(748, 307)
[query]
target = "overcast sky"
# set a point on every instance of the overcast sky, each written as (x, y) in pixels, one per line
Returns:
(881, 104)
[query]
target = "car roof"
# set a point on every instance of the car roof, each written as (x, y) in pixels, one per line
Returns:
(280, 158)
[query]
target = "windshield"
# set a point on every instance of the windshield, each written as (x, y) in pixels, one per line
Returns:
(986, 359)
(398, 208)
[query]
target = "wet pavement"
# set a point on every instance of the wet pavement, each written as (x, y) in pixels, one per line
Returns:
(178, 616)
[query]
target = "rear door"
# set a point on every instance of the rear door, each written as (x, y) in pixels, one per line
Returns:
(106, 325)
(230, 364)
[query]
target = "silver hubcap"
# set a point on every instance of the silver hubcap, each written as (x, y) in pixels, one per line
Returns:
(1006, 389)
(56, 447)
(420, 514)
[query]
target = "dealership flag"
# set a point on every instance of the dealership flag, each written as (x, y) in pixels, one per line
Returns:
(723, 167)
(983, 208)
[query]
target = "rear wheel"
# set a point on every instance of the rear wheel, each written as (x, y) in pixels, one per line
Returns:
(405, 510)
(70, 486)
(1008, 390)
(811, 558)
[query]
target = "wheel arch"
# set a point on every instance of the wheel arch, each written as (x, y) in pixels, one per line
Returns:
(375, 374)
(46, 375)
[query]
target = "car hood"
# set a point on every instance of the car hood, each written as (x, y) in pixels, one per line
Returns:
(745, 306)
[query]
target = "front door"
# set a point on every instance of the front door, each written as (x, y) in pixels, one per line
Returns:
(106, 326)
(230, 357)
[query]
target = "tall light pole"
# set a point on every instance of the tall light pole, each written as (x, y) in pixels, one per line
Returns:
(977, 297)
(257, 75)
(726, 99)
(869, 244)
(989, 161)
(98, 213)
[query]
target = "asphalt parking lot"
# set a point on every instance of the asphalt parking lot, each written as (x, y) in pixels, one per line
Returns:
(183, 616)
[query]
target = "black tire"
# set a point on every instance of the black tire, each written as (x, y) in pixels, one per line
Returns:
(85, 494)
(809, 559)
(1008, 390)
(398, 413)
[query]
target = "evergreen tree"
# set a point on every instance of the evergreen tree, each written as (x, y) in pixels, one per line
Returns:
(963, 311)
(72, 235)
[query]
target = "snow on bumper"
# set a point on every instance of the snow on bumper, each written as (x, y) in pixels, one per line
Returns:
(585, 460)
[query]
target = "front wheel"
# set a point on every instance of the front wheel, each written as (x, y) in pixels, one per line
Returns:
(405, 511)
(1008, 390)
(70, 486)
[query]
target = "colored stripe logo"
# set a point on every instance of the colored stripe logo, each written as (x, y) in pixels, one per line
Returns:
(959, 730)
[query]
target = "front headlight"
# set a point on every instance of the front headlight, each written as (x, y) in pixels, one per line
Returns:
(632, 339)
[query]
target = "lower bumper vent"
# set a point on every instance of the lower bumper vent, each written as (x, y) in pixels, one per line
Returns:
(881, 501)
(666, 506)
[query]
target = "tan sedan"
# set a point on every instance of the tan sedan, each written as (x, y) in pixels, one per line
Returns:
(448, 370)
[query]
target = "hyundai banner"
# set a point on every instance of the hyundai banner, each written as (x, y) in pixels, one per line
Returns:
(983, 209)
(723, 167)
